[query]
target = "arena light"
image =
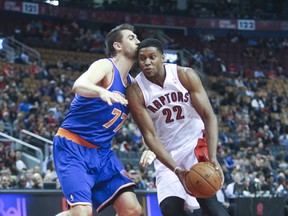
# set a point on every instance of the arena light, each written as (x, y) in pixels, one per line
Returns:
(52, 2)
(2, 43)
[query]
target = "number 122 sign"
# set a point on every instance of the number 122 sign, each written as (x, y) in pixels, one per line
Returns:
(246, 24)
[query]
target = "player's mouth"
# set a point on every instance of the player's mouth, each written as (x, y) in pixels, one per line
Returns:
(147, 70)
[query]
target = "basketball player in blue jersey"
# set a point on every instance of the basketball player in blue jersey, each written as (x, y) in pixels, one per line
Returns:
(88, 170)
(171, 108)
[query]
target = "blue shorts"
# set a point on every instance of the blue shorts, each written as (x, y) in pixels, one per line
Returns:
(88, 175)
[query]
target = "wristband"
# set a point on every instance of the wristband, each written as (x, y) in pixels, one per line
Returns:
(175, 169)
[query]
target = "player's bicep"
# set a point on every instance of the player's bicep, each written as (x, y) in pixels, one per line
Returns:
(138, 110)
(199, 98)
(201, 102)
(95, 73)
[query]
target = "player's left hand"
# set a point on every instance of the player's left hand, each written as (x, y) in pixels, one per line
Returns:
(111, 97)
(218, 168)
(147, 158)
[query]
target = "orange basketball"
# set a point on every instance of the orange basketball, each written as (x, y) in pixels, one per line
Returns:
(203, 180)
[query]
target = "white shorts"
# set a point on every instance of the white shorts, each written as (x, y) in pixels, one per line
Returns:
(167, 182)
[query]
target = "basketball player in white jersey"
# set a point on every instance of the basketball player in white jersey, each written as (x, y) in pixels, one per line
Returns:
(171, 108)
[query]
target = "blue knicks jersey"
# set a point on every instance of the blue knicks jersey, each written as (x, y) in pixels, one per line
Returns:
(93, 119)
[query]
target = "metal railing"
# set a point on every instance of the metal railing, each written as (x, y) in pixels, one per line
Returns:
(13, 47)
(21, 145)
(47, 142)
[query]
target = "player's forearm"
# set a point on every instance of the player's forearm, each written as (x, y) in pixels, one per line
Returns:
(87, 90)
(161, 153)
(211, 130)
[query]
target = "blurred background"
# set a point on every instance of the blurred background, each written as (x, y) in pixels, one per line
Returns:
(239, 48)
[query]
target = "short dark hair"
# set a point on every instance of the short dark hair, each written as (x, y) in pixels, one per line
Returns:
(151, 42)
(115, 35)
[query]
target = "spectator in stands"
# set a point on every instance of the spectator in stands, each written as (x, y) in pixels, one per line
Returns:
(198, 56)
(24, 105)
(21, 182)
(208, 54)
(21, 57)
(274, 107)
(18, 123)
(20, 165)
(234, 36)
(222, 68)
(281, 159)
(44, 72)
(29, 175)
(258, 182)
(134, 134)
(257, 104)
(229, 162)
(137, 178)
(149, 176)
(258, 73)
(7, 124)
(2, 155)
(37, 181)
(270, 184)
(285, 43)
(124, 140)
(230, 206)
(5, 181)
(249, 52)
(37, 169)
(10, 162)
(283, 139)
(281, 186)
(248, 188)
(128, 166)
(48, 177)
(235, 188)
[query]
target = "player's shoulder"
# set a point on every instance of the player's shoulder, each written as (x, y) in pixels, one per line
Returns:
(184, 70)
(134, 85)
(133, 89)
(187, 75)
(103, 65)
(103, 62)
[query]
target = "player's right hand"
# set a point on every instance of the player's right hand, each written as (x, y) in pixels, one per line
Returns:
(111, 97)
(181, 174)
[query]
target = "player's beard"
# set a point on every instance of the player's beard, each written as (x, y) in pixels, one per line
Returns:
(130, 54)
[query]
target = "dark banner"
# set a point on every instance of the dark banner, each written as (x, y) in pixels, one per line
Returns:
(51, 202)
(47, 203)
(158, 20)
(261, 206)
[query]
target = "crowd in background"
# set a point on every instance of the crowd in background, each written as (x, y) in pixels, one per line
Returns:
(193, 8)
(252, 111)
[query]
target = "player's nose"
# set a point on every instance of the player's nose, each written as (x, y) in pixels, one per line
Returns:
(147, 62)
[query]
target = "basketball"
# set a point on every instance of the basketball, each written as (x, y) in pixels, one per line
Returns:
(203, 180)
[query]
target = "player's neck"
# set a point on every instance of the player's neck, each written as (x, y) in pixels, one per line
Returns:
(123, 64)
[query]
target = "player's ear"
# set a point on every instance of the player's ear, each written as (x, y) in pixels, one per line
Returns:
(163, 57)
(117, 45)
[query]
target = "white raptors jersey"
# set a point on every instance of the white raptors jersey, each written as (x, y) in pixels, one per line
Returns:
(171, 109)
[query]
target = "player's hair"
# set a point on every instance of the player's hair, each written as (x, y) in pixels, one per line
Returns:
(115, 35)
(151, 42)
